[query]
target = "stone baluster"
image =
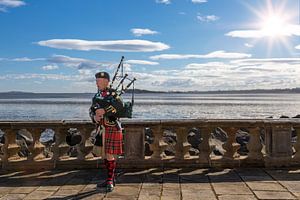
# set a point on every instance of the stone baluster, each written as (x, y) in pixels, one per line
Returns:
(85, 146)
(36, 149)
(4, 158)
(12, 147)
(204, 147)
(55, 148)
(182, 146)
(81, 147)
(254, 145)
(158, 146)
(230, 146)
(296, 158)
(60, 147)
(64, 147)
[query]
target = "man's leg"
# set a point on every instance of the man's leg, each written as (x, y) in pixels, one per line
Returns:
(103, 184)
(111, 166)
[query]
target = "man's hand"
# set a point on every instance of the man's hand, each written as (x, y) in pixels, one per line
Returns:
(99, 114)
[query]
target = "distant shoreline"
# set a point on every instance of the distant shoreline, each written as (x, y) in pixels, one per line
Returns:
(18, 94)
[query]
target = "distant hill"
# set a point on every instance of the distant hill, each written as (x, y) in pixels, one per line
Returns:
(288, 90)
(25, 95)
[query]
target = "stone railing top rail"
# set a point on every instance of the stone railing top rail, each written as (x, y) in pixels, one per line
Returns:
(167, 122)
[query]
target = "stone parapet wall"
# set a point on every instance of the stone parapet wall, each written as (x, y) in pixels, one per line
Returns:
(269, 143)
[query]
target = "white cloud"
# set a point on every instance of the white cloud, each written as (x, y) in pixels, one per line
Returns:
(267, 60)
(226, 76)
(141, 62)
(242, 74)
(199, 1)
(224, 54)
(24, 59)
(207, 18)
(287, 30)
(297, 47)
(86, 72)
(182, 13)
(115, 45)
(208, 65)
(248, 45)
(38, 76)
(163, 1)
(215, 54)
(246, 34)
(50, 67)
(78, 63)
(4, 4)
(140, 32)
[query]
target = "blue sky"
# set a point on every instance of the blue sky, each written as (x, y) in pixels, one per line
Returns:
(57, 46)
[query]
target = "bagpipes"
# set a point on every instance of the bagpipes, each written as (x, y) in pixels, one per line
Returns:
(111, 102)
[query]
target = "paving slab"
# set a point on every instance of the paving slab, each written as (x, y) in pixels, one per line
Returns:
(150, 191)
(23, 190)
(124, 191)
(154, 184)
(274, 195)
(48, 188)
(39, 195)
(64, 193)
(271, 186)
(231, 188)
(13, 197)
(237, 197)
(5, 190)
(191, 194)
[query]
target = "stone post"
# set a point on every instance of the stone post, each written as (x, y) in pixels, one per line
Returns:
(134, 142)
(278, 145)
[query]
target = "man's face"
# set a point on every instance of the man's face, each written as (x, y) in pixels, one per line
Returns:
(102, 83)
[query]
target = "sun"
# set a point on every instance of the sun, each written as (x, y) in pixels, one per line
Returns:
(274, 26)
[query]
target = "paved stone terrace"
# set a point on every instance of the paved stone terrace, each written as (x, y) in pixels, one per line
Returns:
(206, 184)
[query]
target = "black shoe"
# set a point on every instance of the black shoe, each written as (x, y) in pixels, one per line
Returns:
(109, 187)
(104, 184)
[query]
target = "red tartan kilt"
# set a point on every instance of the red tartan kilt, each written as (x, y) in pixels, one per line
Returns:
(113, 140)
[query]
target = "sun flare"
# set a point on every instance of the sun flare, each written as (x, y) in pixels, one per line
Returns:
(274, 26)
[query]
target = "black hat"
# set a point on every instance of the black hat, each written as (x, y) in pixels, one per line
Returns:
(102, 75)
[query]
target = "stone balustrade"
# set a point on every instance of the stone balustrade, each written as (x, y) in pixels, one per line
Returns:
(270, 143)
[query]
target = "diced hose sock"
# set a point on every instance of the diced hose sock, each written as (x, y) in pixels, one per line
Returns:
(111, 166)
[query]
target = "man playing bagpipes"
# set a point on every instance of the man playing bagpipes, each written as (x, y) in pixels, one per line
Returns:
(106, 106)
